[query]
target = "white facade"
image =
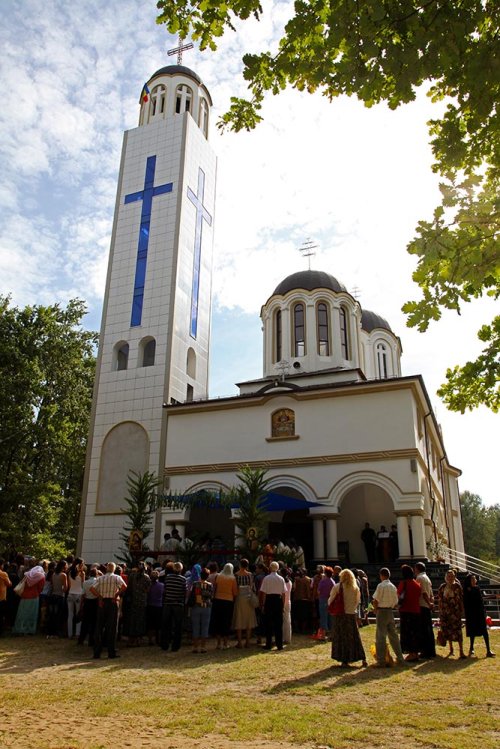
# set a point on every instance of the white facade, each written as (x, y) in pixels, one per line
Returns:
(356, 455)
(335, 425)
(155, 333)
(346, 440)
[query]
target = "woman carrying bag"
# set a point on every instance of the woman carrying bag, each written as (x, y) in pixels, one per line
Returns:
(343, 605)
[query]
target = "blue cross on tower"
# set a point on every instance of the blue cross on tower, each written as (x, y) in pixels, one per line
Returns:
(201, 214)
(146, 196)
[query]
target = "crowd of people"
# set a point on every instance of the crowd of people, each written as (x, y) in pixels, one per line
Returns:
(159, 603)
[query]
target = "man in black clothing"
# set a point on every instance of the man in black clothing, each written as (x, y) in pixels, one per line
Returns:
(369, 538)
(174, 599)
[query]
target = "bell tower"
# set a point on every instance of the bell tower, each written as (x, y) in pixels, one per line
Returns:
(155, 330)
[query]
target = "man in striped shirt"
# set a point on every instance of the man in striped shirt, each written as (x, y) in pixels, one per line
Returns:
(174, 599)
(107, 589)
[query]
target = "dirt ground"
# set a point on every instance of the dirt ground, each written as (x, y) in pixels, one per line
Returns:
(40, 717)
(53, 695)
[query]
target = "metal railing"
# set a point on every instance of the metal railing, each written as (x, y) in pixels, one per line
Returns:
(468, 563)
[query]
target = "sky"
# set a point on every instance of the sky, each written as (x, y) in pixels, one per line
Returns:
(355, 181)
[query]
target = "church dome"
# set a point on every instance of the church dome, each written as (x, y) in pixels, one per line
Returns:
(177, 69)
(370, 320)
(308, 280)
(180, 70)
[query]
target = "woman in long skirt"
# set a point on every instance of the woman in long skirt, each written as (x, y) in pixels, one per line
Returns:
(451, 609)
(244, 619)
(226, 591)
(475, 615)
(27, 613)
(287, 609)
(409, 592)
(346, 642)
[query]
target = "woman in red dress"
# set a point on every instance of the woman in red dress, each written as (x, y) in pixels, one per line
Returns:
(409, 591)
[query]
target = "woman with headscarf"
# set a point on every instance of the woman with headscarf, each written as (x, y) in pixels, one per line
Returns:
(226, 591)
(451, 609)
(27, 612)
(343, 601)
(194, 577)
(475, 615)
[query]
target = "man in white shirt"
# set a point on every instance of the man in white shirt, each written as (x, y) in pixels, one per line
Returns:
(426, 606)
(385, 599)
(107, 589)
(272, 602)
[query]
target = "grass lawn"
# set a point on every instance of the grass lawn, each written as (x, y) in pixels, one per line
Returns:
(54, 696)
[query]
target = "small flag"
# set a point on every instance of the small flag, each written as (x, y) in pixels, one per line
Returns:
(145, 93)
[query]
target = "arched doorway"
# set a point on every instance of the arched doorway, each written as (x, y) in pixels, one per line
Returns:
(364, 503)
(291, 522)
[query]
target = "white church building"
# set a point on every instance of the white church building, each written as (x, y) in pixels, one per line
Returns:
(345, 438)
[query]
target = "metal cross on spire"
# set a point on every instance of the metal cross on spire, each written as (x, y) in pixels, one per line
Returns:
(179, 50)
(308, 250)
(356, 292)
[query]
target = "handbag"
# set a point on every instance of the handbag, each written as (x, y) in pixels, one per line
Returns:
(19, 589)
(249, 594)
(440, 638)
(336, 607)
(401, 597)
(254, 600)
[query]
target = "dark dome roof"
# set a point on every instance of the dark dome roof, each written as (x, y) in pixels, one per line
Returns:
(174, 69)
(370, 320)
(308, 280)
(180, 70)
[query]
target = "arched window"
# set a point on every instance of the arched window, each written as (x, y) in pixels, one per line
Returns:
(203, 117)
(120, 356)
(299, 330)
(283, 423)
(344, 333)
(183, 99)
(322, 328)
(158, 98)
(191, 363)
(126, 444)
(148, 353)
(278, 336)
(381, 352)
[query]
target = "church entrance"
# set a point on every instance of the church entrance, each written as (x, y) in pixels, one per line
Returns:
(365, 503)
(289, 519)
(213, 524)
(295, 526)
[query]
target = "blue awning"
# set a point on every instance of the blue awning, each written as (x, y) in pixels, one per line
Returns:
(280, 503)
